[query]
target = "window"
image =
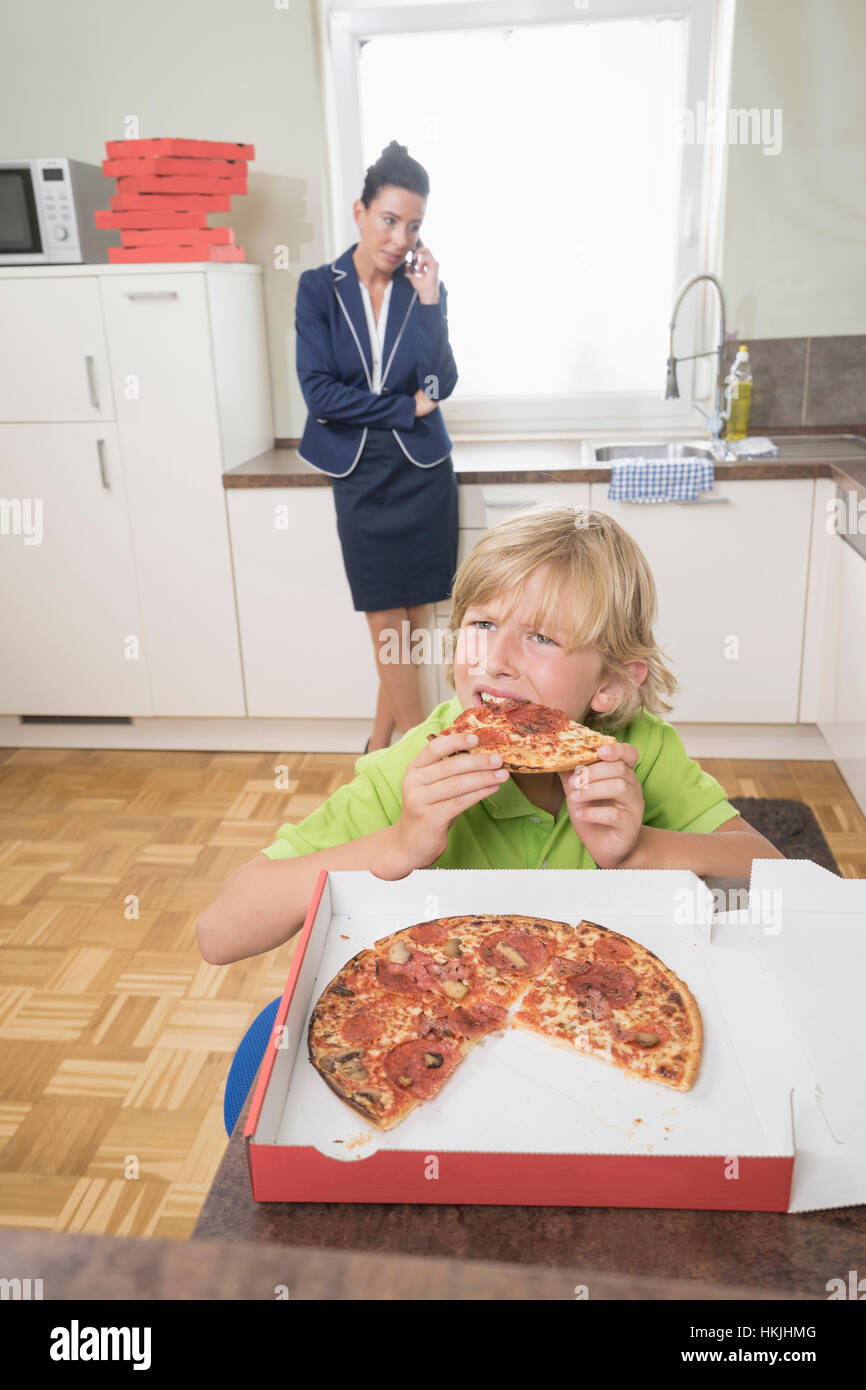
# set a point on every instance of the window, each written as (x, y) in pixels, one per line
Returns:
(565, 209)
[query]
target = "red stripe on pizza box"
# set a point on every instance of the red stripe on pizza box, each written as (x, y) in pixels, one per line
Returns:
(157, 183)
(196, 149)
(159, 236)
(152, 255)
(675, 1182)
(285, 1003)
(170, 164)
(137, 220)
(179, 202)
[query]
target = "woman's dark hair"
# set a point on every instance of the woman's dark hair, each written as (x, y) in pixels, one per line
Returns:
(395, 166)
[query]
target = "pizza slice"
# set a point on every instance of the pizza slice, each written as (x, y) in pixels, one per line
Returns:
(529, 737)
(613, 999)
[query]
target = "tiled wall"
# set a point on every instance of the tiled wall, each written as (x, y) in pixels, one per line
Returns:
(806, 381)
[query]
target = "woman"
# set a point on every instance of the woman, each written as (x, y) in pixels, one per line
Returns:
(364, 321)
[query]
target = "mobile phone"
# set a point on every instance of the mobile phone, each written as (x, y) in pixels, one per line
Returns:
(410, 260)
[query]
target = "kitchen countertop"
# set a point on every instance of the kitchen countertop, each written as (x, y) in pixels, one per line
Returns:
(521, 460)
(97, 1268)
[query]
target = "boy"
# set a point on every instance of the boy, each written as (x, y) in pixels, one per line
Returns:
(555, 606)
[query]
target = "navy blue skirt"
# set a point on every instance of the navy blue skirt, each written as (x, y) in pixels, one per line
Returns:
(398, 527)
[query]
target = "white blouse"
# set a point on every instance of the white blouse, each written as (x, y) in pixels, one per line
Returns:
(377, 331)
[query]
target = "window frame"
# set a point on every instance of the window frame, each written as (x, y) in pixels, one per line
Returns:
(709, 30)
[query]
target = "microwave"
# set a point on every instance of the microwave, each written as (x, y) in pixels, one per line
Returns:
(46, 212)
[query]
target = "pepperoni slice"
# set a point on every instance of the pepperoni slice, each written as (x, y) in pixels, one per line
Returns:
(536, 720)
(489, 738)
(588, 996)
(472, 1019)
(363, 1026)
(420, 1067)
(617, 983)
(613, 948)
(430, 933)
(409, 977)
(533, 952)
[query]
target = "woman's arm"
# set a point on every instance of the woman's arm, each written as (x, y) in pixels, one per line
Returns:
(436, 365)
(327, 397)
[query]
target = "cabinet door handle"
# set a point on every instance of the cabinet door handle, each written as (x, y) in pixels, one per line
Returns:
(91, 382)
(510, 503)
(702, 501)
(150, 294)
(100, 449)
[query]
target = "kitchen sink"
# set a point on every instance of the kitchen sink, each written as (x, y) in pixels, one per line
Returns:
(793, 448)
(673, 449)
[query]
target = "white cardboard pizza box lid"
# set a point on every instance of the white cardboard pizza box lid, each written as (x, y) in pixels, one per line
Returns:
(517, 1092)
(804, 936)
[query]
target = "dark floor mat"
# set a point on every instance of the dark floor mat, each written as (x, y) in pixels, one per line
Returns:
(790, 826)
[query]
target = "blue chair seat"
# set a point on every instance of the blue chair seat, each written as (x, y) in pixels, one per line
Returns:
(246, 1063)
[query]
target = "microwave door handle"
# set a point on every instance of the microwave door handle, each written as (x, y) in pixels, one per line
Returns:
(91, 383)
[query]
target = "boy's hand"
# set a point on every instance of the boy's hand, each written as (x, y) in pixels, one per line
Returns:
(436, 788)
(606, 805)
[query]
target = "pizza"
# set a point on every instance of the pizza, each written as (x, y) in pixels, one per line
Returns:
(530, 738)
(399, 1017)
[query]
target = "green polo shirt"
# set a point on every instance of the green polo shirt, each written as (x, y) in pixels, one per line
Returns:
(505, 830)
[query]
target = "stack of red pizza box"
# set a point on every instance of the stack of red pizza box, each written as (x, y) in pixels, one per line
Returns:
(165, 189)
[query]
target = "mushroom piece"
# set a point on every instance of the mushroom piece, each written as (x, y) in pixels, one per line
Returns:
(646, 1039)
(372, 1094)
(432, 1059)
(455, 990)
(491, 972)
(399, 953)
(453, 948)
(514, 956)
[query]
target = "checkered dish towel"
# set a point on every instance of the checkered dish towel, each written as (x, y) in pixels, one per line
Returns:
(659, 480)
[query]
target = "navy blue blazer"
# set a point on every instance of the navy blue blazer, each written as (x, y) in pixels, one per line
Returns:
(335, 369)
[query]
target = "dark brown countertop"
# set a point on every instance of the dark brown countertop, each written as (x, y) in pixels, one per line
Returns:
(97, 1268)
(636, 1253)
(824, 454)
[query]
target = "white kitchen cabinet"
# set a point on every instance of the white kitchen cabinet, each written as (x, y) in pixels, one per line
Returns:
(845, 728)
(306, 652)
(161, 359)
(68, 602)
(731, 578)
(53, 352)
(178, 357)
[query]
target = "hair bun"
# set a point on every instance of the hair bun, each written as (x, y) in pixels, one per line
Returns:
(396, 146)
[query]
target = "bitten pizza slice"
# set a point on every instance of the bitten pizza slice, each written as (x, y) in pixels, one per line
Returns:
(530, 738)
(613, 999)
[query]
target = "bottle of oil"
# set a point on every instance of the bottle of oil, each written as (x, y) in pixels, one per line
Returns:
(738, 395)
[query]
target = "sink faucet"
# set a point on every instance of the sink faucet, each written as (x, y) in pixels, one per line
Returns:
(716, 419)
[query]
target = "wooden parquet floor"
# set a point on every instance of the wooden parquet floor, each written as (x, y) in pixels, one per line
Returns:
(115, 1036)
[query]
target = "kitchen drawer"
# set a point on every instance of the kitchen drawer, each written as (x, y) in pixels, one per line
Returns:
(483, 505)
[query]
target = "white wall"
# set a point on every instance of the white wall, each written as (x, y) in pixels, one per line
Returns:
(794, 222)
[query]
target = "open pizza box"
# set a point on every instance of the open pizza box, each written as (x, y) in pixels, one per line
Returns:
(776, 1120)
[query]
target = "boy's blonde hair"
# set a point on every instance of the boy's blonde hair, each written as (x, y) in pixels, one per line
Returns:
(601, 591)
